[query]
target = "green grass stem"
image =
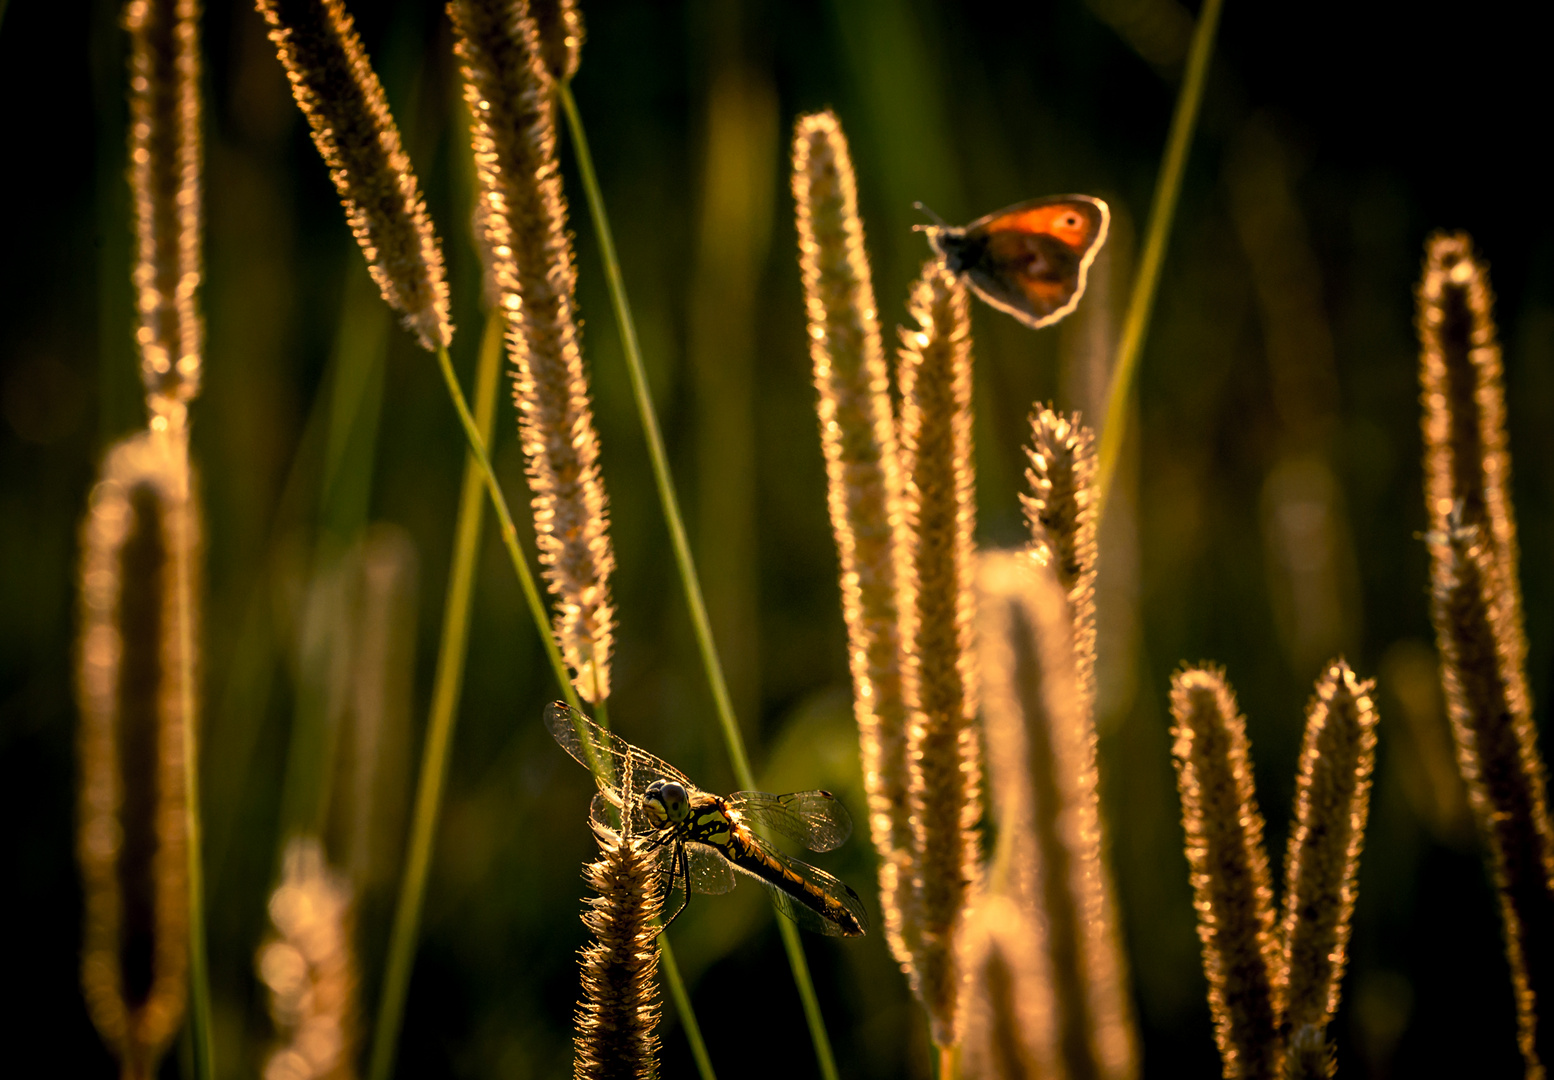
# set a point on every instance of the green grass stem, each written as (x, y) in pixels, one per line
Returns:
(199, 972)
(509, 532)
(682, 1004)
(448, 681)
(700, 623)
(1141, 303)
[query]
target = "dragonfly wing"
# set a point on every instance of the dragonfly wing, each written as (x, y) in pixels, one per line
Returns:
(626, 767)
(711, 873)
(816, 819)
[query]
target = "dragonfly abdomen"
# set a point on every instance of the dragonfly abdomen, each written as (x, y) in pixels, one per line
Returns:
(747, 853)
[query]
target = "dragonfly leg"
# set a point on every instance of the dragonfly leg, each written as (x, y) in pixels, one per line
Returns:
(680, 865)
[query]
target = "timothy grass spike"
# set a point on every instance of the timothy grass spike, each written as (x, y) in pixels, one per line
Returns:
(165, 183)
(137, 540)
(1229, 870)
(864, 496)
(1332, 799)
(1041, 754)
(339, 93)
(1467, 457)
(617, 1020)
(512, 107)
(1476, 608)
(939, 511)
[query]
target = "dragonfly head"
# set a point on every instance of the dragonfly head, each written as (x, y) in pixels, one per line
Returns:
(666, 801)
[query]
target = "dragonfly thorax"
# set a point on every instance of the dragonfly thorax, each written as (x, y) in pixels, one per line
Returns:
(666, 802)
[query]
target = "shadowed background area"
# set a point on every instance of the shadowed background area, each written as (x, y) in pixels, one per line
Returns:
(1266, 515)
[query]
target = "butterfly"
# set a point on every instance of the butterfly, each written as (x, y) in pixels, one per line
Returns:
(1029, 259)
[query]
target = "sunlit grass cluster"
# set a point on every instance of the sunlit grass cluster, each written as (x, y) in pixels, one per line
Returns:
(973, 670)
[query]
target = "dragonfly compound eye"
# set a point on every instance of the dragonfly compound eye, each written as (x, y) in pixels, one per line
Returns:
(675, 800)
(666, 801)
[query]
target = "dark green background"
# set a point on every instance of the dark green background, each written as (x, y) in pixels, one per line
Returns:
(1376, 125)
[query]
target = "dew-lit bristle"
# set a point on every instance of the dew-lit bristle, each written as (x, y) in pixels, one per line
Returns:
(1332, 800)
(617, 1018)
(138, 541)
(858, 437)
(1041, 762)
(513, 128)
(1229, 871)
(309, 965)
(1061, 513)
(939, 510)
(164, 171)
(1009, 1032)
(1476, 609)
(339, 93)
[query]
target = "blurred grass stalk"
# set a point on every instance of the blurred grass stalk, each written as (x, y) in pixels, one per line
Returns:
(1048, 864)
(685, 563)
(140, 841)
(139, 540)
(1476, 606)
(311, 970)
(1069, 886)
(1162, 212)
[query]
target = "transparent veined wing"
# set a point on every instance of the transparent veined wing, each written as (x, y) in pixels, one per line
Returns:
(711, 873)
(627, 769)
(808, 895)
(816, 819)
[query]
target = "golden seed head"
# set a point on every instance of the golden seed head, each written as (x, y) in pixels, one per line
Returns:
(617, 1018)
(339, 93)
(164, 150)
(1061, 512)
(1332, 799)
(939, 512)
(1467, 461)
(138, 549)
(1476, 607)
(1229, 869)
(858, 437)
(309, 966)
(512, 107)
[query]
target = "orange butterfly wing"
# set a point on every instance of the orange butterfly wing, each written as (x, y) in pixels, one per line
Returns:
(1050, 287)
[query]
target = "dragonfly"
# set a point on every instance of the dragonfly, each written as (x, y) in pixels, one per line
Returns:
(705, 838)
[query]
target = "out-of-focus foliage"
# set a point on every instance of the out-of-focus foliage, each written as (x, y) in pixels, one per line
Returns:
(1266, 518)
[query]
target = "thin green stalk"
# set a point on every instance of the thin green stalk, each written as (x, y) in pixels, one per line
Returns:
(447, 685)
(199, 974)
(1142, 302)
(509, 533)
(655, 441)
(682, 549)
(682, 1004)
